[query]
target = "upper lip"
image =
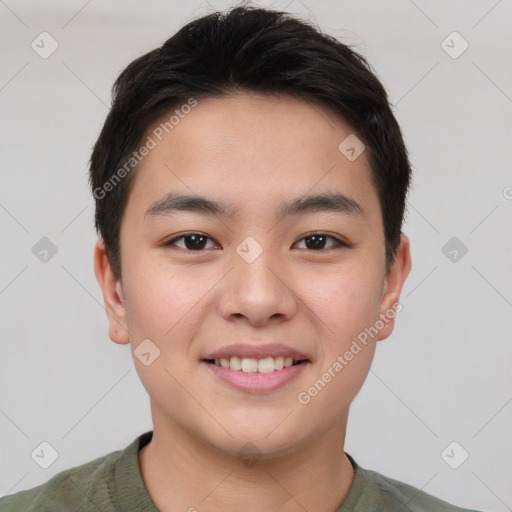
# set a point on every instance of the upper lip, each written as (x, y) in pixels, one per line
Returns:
(257, 352)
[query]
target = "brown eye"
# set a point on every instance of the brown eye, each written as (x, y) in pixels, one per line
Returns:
(319, 242)
(191, 241)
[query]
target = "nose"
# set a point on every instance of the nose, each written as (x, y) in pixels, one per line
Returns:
(258, 292)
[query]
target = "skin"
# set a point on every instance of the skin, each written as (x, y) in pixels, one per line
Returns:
(252, 151)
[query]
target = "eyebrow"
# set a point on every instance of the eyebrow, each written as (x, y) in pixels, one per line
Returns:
(327, 202)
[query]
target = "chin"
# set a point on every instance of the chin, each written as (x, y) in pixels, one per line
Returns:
(263, 443)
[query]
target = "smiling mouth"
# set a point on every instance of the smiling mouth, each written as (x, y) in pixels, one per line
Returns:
(251, 365)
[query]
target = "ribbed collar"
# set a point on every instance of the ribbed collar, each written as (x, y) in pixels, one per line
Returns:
(130, 489)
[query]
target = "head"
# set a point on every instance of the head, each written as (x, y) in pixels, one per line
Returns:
(250, 184)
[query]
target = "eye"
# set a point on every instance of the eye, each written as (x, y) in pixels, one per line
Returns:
(198, 242)
(191, 241)
(317, 241)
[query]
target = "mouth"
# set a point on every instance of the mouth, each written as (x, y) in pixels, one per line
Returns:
(256, 368)
(251, 365)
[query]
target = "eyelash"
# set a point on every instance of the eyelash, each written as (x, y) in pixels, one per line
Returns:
(338, 243)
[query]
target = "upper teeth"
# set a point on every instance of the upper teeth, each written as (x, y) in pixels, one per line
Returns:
(267, 365)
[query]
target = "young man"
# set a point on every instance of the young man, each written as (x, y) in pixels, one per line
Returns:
(250, 184)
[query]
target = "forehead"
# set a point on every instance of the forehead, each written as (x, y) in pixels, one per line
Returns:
(251, 149)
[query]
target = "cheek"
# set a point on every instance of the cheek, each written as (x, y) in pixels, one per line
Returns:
(345, 307)
(162, 297)
(163, 307)
(344, 301)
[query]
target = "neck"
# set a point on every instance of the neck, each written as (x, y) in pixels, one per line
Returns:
(181, 472)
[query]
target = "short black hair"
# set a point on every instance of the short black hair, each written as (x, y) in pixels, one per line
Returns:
(246, 49)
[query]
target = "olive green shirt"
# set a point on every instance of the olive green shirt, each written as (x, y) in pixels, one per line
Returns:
(114, 483)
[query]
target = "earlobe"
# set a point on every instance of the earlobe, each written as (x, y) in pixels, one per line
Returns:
(112, 295)
(393, 285)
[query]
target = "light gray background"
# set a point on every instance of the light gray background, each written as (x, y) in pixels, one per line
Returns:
(443, 376)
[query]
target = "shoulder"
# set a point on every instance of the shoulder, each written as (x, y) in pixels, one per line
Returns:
(412, 499)
(374, 491)
(85, 487)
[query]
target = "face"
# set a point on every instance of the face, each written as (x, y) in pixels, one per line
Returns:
(277, 253)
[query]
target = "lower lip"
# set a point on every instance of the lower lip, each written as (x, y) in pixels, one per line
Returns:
(255, 382)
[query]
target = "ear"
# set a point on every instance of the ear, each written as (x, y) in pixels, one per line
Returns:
(112, 291)
(392, 287)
